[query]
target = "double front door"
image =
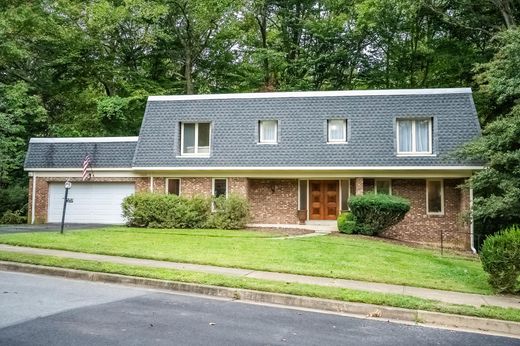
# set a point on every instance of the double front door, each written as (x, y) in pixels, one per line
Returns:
(323, 199)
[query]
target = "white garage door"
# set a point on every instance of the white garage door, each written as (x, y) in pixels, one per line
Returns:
(92, 202)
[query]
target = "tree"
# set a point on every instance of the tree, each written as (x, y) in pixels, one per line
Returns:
(497, 187)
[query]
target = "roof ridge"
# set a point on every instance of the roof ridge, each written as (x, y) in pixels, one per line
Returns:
(83, 139)
(372, 92)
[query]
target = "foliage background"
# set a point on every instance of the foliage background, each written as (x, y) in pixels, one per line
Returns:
(85, 68)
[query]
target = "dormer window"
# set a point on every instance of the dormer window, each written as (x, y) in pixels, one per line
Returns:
(268, 131)
(195, 139)
(414, 136)
(336, 131)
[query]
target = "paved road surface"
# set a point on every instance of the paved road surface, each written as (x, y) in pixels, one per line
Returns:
(41, 310)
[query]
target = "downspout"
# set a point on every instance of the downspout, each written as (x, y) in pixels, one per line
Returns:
(33, 202)
(471, 224)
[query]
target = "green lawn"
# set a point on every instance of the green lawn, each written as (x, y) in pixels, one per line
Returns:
(348, 257)
(335, 293)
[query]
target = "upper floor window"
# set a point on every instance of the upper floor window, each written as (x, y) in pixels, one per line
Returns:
(268, 131)
(414, 136)
(336, 130)
(195, 139)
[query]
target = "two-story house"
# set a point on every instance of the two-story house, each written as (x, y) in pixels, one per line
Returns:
(284, 152)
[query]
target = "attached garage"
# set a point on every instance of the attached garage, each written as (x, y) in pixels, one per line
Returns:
(92, 202)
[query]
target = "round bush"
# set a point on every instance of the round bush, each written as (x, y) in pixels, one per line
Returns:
(376, 212)
(500, 256)
(346, 223)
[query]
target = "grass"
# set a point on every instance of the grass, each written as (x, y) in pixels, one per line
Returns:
(267, 286)
(348, 257)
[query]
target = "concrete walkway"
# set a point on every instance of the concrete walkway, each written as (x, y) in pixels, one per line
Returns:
(426, 293)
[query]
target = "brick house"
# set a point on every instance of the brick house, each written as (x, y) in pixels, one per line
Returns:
(285, 152)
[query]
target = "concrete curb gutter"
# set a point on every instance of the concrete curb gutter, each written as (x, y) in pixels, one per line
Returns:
(508, 328)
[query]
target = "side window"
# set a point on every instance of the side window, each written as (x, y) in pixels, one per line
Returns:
(219, 187)
(268, 131)
(173, 187)
(414, 136)
(435, 197)
(345, 194)
(195, 139)
(383, 186)
(336, 130)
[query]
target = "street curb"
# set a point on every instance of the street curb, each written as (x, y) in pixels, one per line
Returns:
(367, 310)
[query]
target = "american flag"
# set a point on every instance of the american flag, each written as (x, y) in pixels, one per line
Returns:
(86, 165)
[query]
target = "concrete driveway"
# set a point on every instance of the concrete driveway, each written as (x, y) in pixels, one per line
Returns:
(48, 227)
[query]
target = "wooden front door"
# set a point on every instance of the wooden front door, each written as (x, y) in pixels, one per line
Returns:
(323, 199)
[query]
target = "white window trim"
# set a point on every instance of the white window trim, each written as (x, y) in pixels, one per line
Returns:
(196, 153)
(166, 185)
(213, 186)
(414, 151)
(261, 132)
(442, 197)
(337, 141)
(341, 194)
(389, 185)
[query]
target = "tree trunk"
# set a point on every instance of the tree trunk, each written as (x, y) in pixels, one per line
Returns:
(505, 9)
(188, 67)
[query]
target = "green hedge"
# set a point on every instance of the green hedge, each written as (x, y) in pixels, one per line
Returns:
(171, 211)
(376, 212)
(346, 223)
(500, 256)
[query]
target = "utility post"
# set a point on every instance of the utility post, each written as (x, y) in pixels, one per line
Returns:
(68, 185)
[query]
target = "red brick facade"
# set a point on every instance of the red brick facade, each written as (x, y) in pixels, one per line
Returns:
(420, 227)
(275, 201)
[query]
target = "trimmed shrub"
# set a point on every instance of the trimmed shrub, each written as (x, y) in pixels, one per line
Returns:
(12, 218)
(166, 211)
(376, 212)
(500, 256)
(346, 223)
(230, 213)
(171, 211)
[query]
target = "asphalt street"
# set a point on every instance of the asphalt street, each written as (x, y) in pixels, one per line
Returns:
(42, 310)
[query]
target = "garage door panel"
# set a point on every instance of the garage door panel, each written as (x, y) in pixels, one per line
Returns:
(92, 202)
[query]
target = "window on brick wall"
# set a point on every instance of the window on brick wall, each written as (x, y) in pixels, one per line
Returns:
(220, 187)
(302, 191)
(435, 197)
(173, 186)
(383, 186)
(345, 194)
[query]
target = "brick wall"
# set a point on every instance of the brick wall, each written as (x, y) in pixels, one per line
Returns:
(238, 186)
(142, 184)
(159, 185)
(420, 227)
(196, 187)
(273, 200)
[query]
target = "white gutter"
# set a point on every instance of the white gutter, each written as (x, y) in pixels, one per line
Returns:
(471, 225)
(33, 202)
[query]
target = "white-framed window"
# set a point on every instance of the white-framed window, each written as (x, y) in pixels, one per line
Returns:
(195, 139)
(303, 194)
(268, 131)
(414, 136)
(383, 186)
(173, 186)
(435, 196)
(336, 130)
(219, 187)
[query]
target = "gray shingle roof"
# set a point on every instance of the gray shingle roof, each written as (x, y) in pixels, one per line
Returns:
(302, 130)
(70, 152)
